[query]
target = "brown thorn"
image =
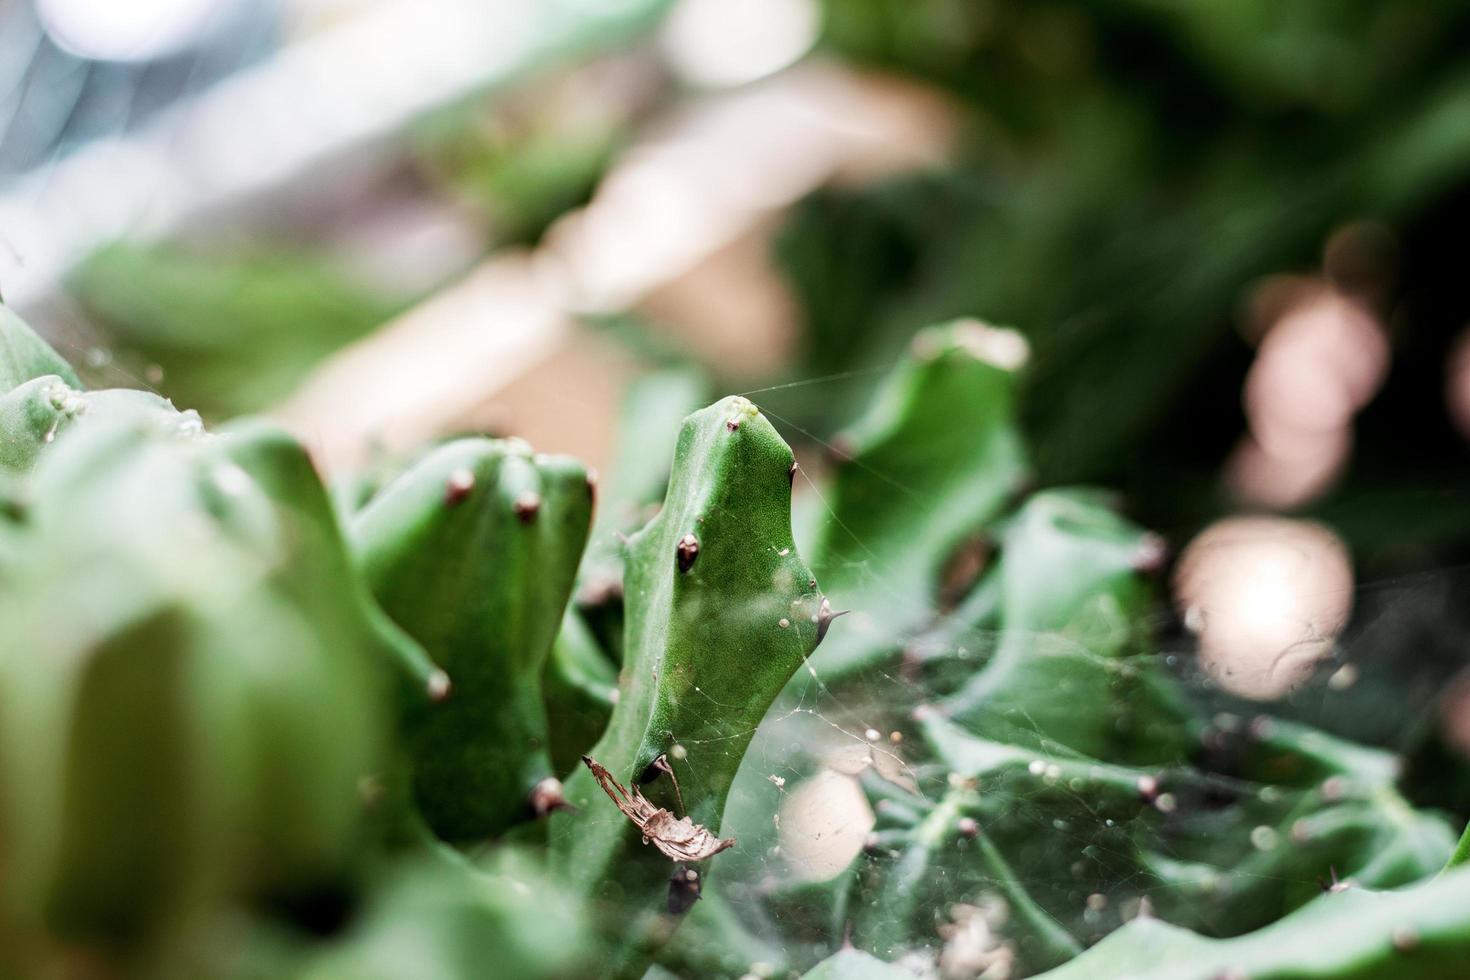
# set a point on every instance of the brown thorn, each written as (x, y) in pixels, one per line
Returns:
(457, 486)
(547, 795)
(527, 506)
(686, 552)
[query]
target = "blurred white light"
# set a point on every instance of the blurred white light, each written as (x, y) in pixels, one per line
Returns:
(129, 30)
(823, 825)
(1322, 358)
(731, 42)
(1267, 597)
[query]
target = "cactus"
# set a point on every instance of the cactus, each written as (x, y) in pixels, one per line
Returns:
(721, 612)
(473, 552)
(1221, 824)
(1064, 772)
(247, 736)
(24, 356)
(1420, 933)
(446, 918)
(1070, 600)
(35, 412)
(227, 727)
(194, 681)
(30, 416)
(854, 964)
(944, 421)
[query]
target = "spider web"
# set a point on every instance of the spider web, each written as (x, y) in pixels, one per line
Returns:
(786, 897)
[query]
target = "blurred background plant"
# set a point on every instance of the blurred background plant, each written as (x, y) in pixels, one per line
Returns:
(1229, 232)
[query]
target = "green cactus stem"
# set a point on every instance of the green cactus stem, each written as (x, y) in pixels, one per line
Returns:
(1072, 667)
(473, 552)
(444, 917)
(1462, 851)
(174, 729)
(31, 416)
(854, 964)
(24, 355)
(932, 462)
(1420, 933)
(721, 611)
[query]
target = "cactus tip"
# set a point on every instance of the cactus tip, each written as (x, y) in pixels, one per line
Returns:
(438, 686)
(686, 552)
(527, 506)
(968, 827)
(1405, 939)
(1148, 788)
(458, 486)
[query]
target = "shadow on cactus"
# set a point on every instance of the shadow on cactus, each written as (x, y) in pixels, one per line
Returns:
(252, 729)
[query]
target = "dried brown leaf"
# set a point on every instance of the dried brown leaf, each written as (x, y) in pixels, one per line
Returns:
(677, 838)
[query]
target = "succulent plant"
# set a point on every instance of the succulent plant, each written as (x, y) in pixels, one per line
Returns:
(250, 729)
(1048, 766)
(721, 611)
(473, 552)
(944, 420)
(185, 715)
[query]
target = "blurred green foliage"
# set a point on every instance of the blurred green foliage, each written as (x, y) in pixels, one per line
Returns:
(1130, 169)
(231, 333)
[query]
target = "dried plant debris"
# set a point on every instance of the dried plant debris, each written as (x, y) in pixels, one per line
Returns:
(677, 838)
